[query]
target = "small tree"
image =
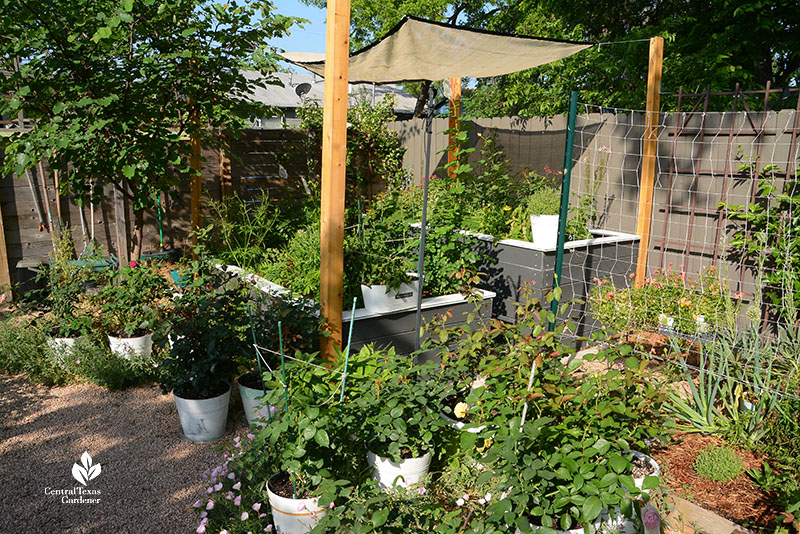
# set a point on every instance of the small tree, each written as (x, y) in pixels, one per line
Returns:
(116, 87)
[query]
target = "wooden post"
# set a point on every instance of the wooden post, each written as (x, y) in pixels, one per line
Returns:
(224, 169)
(196, 164)
(334, 155)
(5, 273)
(452, 125)
(649, 155)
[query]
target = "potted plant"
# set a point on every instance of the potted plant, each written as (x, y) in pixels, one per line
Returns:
(68, 319)
(209, 339)
(379, 254)
(399, 419)
(543, 206)
(63, 298)
(316, 453)
(132, 306)
(299, 330)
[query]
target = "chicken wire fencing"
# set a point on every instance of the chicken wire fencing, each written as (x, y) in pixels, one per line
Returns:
(723, 258)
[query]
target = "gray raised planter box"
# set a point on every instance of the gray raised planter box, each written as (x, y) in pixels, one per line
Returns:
(392, 329)
(510, 263)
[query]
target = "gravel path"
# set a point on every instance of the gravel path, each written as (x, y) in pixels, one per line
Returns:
(149, 479)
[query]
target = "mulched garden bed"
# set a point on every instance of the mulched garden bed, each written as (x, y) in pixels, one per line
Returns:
(738, 500)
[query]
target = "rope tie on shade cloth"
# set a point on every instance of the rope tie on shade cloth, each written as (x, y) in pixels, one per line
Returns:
(623, 42)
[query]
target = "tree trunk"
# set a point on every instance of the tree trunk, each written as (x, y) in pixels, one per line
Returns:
(422, 99)
(138, 227)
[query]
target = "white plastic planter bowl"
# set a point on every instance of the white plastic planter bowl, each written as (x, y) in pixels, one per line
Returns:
(656, 473)
(203, 419)
(377, 300)
(544, 230)
(62, 347)
(294, 516)
(570, 531)
(125, 347)
(254, 406)
(405, 473)
(459, 425)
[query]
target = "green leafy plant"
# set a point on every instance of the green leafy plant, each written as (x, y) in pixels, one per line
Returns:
(150, 74)
(23, 349)
(584, 213)
(313, 440)
(766, 230)
(701, 411)
(397, 408)
(669, 299)
(720, 464)
(237, 232)
(210, 334)
(94, 362)
(67, 306)
(544, 201)
(381, 248)
(374, 152)
(135, 301)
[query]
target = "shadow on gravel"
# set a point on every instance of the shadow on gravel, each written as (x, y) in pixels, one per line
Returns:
(149, 476)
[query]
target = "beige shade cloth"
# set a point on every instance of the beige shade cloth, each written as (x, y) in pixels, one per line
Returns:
(418, 49)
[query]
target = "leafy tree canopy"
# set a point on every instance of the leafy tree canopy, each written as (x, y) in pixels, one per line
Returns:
(115, 87)
(709, 43)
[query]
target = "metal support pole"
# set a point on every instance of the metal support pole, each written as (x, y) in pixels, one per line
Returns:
(422, 231)
(563, 212)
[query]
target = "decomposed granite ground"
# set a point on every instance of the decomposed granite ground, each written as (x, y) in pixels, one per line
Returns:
(149, 477)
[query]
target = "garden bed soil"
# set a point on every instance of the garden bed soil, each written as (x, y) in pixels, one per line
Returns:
(642, 468)
(660, 345)
(281, 485)
(738, 500)
(191, 395)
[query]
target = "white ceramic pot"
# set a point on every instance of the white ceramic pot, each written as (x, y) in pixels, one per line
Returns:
(294, 516)
(405, 473)
(255, 408)
(203, 419)
(459, 425)
(62, 347)
(544, 230)
(125, 347)
(377, 300)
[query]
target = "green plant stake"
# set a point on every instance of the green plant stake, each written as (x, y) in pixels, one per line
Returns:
(285, 387)
(283, 366)
(347, 354)
(258, 358)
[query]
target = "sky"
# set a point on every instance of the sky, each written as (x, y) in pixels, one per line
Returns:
(310, 38)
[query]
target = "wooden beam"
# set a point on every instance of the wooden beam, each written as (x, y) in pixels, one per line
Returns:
(649, 156)
(453, 123)
(334, 156)
(196, 164)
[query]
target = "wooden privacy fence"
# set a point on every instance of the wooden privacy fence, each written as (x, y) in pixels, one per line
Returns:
(253, 168)
(698, 154)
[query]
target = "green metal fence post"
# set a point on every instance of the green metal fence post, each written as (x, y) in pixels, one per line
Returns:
(563, 212)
